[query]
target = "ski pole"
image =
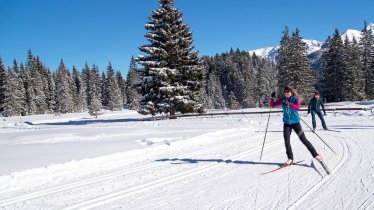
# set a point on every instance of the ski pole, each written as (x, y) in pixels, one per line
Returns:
(266, 131)
(315, 133)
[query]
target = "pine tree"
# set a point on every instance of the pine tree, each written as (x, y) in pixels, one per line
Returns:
(13, 95)
(171, 78)
(367, 56)
(122, 86)
(282, 61)
(104, 90)
(86, 77)
(50, 91)
(114, 93)
(64, 98)
(2, 85)
(263, 87)
(232, 102)
(293, 65)
(94, 91)
(356, 63)
(213, 98)
(132, 95)
(348, 75)
(37, 85)
(21, 88)
(29, 94)
(333, 68)
(80, 91)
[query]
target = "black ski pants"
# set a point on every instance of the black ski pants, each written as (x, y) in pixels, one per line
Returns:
(287, 129)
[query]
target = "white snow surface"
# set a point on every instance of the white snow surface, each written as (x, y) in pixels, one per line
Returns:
(74, 161)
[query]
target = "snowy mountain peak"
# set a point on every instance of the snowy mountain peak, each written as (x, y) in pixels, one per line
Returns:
(313, 45)
(351, 33)
(272, 52)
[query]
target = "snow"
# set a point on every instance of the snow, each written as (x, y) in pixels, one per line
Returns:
(350, 34)
(74, 161)
(272, 52)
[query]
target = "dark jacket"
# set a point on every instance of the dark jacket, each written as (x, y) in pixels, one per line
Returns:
(315, 104)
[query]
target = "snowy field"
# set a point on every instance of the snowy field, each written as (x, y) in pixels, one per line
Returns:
(117, 161)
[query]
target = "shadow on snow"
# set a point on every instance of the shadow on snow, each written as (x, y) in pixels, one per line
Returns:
(87, 122)
(240, 162)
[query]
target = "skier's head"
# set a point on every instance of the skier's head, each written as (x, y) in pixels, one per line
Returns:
(317, 95)
(288, 91)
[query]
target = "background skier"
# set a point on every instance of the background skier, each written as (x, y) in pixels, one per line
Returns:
(314, 108)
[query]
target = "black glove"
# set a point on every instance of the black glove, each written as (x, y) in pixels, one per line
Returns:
(273, 95)
(286, 102)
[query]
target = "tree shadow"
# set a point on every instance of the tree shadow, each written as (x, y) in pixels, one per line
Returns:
(269, 131)
(228, 161)
(88, 121)
(365, 127)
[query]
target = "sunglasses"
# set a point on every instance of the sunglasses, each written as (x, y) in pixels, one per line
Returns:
(286, 91)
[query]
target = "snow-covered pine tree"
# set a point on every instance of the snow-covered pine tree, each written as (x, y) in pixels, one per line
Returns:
(37, 85)
(333, 68)
(22, 94)
(94, 91)
(80, 91)
(2, 85)
(348, 75)
(264, 85)
(356, 64)
(132, 94)
(51, 91)
(97, 80)
(13, 96)
(232, 102)
(64, 98)
(367, 57)
(104, 90)
(213, 93)
(115, 101)
(293, 65)
(122, 86)
(86, 72)
(171, 78)
(283, 65)
(29, 94)
(302, 74)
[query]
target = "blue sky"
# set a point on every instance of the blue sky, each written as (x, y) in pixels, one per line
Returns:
(99, 31)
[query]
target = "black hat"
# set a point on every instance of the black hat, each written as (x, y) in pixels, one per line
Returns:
(286, 88)
(316, 92)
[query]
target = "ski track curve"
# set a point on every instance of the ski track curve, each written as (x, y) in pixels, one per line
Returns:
(115, 196)
(325, 181)
(101, 178)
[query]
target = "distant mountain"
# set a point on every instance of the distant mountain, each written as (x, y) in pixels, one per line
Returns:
(350, 33)
(315, 48)
(272, 52)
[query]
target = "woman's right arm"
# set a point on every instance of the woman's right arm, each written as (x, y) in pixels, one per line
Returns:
(274, 103)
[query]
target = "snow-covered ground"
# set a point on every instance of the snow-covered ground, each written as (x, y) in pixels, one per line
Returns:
(117, 161)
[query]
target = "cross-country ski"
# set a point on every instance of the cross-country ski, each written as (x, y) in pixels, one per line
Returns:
(282, 167)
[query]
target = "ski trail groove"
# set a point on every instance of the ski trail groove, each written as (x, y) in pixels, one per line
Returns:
(325, 180)
(111, 197)
(97, 179)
